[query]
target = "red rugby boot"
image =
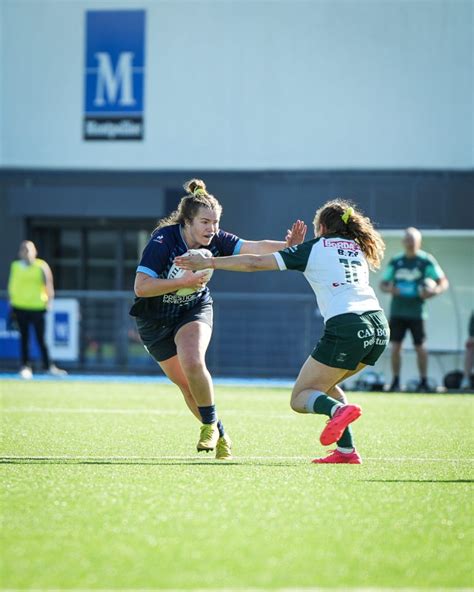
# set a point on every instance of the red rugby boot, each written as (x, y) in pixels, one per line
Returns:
(336, 457)
(343, 416)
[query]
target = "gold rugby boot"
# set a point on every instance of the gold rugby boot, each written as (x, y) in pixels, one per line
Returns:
(208, 437)
(224, 448)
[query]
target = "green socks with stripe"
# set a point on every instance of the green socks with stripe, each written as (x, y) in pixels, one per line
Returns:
(322, 404)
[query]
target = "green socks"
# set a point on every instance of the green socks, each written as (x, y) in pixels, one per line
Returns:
(346, 441)
(323, 405)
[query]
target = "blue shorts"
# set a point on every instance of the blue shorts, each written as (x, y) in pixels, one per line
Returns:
(158, 338)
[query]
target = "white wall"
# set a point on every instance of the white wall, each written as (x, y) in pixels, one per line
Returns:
(2, 67)
(252, 84)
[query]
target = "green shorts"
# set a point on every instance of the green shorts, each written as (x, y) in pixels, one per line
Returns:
(350, 339)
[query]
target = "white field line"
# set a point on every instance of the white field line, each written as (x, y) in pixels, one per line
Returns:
(239, 458)
(425, 400)
(125, 411)
(141, 411)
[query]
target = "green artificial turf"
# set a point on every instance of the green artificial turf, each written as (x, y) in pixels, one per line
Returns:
(102, 489)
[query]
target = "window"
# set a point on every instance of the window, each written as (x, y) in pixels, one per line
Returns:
(86, 256)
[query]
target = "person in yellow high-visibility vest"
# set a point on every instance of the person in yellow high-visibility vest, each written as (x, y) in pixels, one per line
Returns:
(31, 292)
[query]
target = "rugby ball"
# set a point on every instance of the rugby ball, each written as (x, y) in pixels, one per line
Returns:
(427, 284)
(176, 272)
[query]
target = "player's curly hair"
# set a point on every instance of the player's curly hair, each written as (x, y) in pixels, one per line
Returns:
(188, 207)
(340, 216)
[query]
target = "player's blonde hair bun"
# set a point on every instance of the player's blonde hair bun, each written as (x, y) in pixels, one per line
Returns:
(195, 187)
(188, 208)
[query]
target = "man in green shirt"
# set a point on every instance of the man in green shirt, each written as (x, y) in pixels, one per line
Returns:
(411, 277)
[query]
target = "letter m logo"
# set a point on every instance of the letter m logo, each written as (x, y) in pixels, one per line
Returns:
(110, 82)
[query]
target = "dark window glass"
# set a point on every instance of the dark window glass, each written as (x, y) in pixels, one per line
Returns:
(134, 243)
(100, 277)
(69, 244)
(130, 245)
(101, 244)
(66, 276)
(91, 258)
(129, 277)
(101, 259)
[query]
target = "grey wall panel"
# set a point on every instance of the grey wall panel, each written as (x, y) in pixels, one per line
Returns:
(87, 201)
(394, 204)
(460, 201)
(431, 202)
(256, 205)
(11, 233)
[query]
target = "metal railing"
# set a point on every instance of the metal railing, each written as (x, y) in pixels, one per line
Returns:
(255, 335)
(267, 335)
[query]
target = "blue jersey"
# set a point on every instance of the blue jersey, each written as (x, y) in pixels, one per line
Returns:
(165, 244)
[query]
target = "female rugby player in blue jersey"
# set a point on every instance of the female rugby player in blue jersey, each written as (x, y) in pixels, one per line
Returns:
(176, 329)
(336, 264)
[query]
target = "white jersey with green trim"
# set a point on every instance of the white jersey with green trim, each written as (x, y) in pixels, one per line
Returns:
(337, 271)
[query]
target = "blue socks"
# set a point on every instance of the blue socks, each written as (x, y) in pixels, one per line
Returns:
(208, 415)
(220, 427)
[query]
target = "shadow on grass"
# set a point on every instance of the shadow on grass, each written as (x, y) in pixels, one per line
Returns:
(209, 462)
(417, 480)
(144, 462)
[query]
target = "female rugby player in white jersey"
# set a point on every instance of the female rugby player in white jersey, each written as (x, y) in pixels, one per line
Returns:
(176, 329)
(336, 264)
